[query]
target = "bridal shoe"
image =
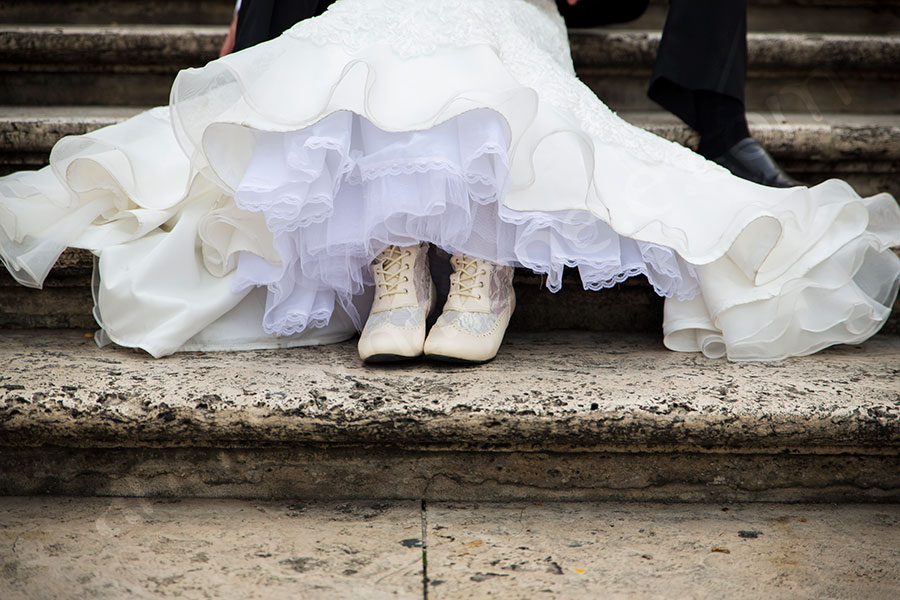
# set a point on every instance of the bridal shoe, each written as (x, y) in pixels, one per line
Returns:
(476, 314)
(404, 296)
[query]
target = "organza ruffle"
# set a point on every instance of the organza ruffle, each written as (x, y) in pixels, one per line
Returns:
(841, 290)
(167, 241)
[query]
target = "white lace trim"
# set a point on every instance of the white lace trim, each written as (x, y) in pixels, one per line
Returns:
(469, 322)
(409, 316)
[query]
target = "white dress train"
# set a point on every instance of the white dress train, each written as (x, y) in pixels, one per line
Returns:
(245, 213)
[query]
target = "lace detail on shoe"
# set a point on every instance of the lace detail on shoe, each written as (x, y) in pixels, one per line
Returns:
(501, 284)
(410, 316)
(391, 272)
(468, 281)
(470, 322)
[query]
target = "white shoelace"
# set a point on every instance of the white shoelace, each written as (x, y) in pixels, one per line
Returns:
(390, 273)
(466, 277)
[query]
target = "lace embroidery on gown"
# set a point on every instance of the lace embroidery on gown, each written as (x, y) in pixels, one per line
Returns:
(290, 164)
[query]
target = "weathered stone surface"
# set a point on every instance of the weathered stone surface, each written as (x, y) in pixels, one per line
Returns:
(64, 302)
(562, 391)
(113, 548)
(36, 129)
(663, 551)
(835, 16)
(66, 548)
(848, 16)
(135, 87)
(328, 472)
(608, 49)
(108, 12)
(131, 65)
(801, 73)
(90, 47)
(134, 64)
(784, 52)
(593, 417)
(812, 92)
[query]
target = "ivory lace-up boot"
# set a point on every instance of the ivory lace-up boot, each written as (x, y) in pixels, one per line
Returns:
(404, 295)
(476, 314)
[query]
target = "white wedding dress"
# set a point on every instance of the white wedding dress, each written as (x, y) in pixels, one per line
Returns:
(244, 215)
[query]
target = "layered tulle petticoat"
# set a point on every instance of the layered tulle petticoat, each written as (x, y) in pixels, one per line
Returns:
(335, 194)
(285, 168)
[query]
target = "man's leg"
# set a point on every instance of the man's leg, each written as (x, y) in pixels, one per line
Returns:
(701, 67)
(699, 76)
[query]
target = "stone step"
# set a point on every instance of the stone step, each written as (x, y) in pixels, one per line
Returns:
(109, 12)
(562, 416)
(831, 16)
(27, 133)
(69, 548)
(99, 65)
(834, 16)
(134, 65)
(787, 72)
(861, 149)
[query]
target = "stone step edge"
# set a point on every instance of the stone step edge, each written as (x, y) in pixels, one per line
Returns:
(841, 16)
(216, 12)
(165, 45)
(564, 391)
(816, 137)
(849, 16)
(808, 53)
(388, 473)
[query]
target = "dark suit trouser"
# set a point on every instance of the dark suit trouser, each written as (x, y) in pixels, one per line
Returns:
(703, 47)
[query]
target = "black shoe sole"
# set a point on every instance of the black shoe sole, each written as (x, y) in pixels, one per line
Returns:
(456, 360)
(376, 359)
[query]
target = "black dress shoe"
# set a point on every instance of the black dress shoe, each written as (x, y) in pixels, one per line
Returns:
(748, 160)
